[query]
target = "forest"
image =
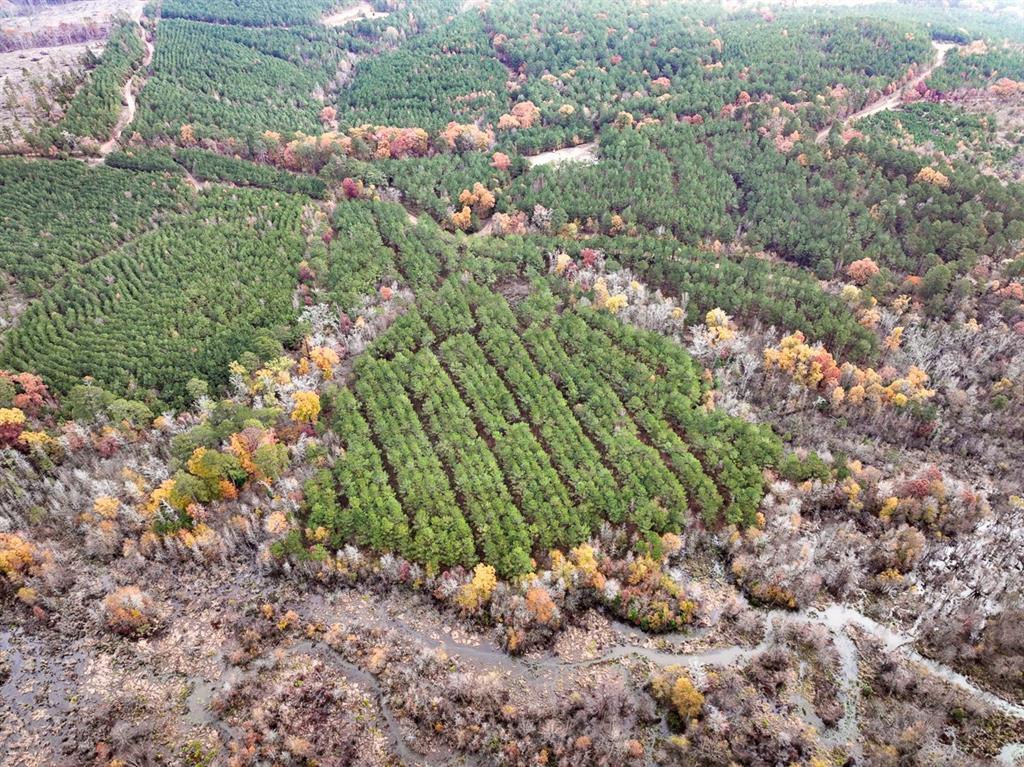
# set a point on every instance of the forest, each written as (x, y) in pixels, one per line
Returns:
(226, 80)
(127, 318)
(598, 462)
(427, 382)
(93, 110)
(58, 216)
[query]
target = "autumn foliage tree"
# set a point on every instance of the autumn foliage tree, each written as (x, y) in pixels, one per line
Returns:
(928, 175)
(501, 161)
(25, 391)
(22, 395)
(12, 424)
(477, 592)
(687, 700)
(675, 689)
(815, 368)
(523, 115)
(131, 612)
(861, 271)
(307, 407)
(540, 605)
(462, 219)
(480, 199)
(328, 115)
(463, 137)
(352, 188)
(325, 359)
(18, 561)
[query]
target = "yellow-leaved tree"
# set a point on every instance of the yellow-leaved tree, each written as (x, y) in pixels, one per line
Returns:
(307, 407)
(476, 593)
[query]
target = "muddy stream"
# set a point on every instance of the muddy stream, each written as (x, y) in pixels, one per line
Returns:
(36, 677)
(671, 651)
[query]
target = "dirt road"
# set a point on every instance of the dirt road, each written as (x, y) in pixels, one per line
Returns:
(131, 87)
(893, 100)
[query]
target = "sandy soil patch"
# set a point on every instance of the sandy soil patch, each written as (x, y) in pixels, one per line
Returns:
(23, 18)
(353, 13)
(40, 61)
(583, 153)
(20, 69)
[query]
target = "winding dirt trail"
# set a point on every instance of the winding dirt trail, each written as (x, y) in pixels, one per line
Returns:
(131, 87)
(894, 99)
